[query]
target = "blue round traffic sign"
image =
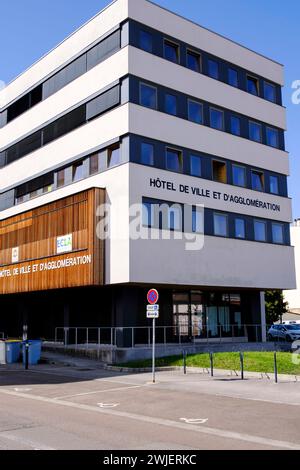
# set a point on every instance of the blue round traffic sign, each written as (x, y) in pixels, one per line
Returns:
(152, 296)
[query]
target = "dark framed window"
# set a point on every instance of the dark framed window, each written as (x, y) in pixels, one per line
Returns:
(235, 125)
(147, 153)
(94, 163)
(274, 184)
(195, 111)
(170, 104)
(171, 51)
(270, 92)
(102, 103)
(213, 69)
(147, 216)
(220, 224)
(239, 227)
(233, 77)
(216, 119)
(197, 220)
(173, 159)
(77, 171)
(146, 41)
(60, 178)
(239, 175)
(219, 171)
(104, 49)
(252, 85)
(260, 231)
(175, 217)
(195, 165)
(272, 138)
(255, 131)
(114, 155)
(148, 96)
(193, 61)
(257, 180)
(277, 233)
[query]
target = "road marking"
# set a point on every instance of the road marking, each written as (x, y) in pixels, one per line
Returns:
(108, 405)
(22, 389)
(163, 422)
(24, 441)
(194, 421)
(97, 391)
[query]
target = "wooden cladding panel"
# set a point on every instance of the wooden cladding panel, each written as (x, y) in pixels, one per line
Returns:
(34, 233)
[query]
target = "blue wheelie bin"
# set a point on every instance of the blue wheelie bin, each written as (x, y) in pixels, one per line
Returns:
(34, 351)
(13, 350)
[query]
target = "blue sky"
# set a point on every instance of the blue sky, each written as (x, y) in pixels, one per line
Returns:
(29, 29)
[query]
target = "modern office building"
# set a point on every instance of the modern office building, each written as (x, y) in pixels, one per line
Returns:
(293, 296)
(141, 106)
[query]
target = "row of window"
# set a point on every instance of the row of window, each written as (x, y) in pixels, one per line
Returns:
(75, 69)
(176, 104)
(62, 126)
(199, 61)
(219, 169)
(174, 217)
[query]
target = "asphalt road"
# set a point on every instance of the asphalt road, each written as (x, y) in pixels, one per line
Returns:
(59, 407)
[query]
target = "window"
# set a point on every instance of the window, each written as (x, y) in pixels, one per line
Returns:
(64, 76)
(175, 217)
(173, 160)
(146, 41)
(103, 50)
(239, 227)
(260, 231)
(219, 171)
(252, 85)
(60, 178)
(213, 69)
(235, 125)
(272, 137)
(233, 77)
(148, 96)
(147, 214)
(195, 111)
(102, 103)
(171, 51)
(216, 119)
(277, 233)
(94, 163)
(239, 175)
(114, 156)
(193, 61)
(257, 180)
(220, 225)
(170, 104)
(19, 199)
(274, 186)
(195, 165)
(254, 131)
(33, 194)
(47, 189)
(197, 220)
(147, 154)
(65, 124)
(270, 92)
(77, 171)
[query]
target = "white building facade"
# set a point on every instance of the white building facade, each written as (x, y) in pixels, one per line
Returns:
(156, 110)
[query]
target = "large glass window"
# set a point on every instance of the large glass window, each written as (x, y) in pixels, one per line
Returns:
(252, 85)
(235, 125)
(270, 92)
(239, 225)
(272, 137)
(175, 217)
(239, 175)
(195, 111)
(260, 232)
(274, 185)
(146, 41)
(170, 104)
(195, 165)
(216, 119)
(94, 163)
(103, 50)
(213, 69)
(197, 220)
(220, 225)
(147, 214)
(277, 233)
(148, 96)
(219, 172)
(77, 171)
(233, 77)
(60, 178)
(255, 131)
(173, 160)
(257, 179)
(193, 61)
(147, 154)
(171, 51)
(114, 156)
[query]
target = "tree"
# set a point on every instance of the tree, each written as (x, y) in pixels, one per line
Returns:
(275, 306)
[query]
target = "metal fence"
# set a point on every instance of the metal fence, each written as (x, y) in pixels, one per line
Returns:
(141, 336)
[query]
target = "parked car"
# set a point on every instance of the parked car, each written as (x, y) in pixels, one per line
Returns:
(286, 332)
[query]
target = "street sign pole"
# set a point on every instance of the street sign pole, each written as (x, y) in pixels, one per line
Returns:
(153, 351)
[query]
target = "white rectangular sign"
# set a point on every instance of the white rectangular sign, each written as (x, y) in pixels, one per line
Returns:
(152, 308)
(64, 244)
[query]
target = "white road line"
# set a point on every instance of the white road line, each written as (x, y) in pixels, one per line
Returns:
(97, 391)
(163, 422)
(24, 441)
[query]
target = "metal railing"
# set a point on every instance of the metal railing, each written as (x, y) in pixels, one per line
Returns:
(141, 336)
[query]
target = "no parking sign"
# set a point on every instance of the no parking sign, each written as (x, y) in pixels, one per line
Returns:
(152, 296)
